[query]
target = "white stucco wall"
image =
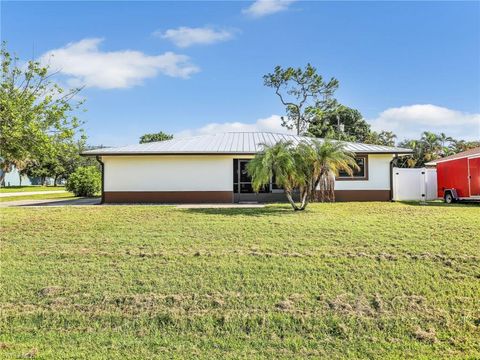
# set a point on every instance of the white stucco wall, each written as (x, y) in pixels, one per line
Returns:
(378, 175)
(208, 173)
(168, 173)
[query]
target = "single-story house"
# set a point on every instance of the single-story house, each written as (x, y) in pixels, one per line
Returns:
(212, 169)
(13, 178)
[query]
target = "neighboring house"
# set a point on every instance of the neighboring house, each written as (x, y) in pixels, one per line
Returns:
(13, 178)
(212, 169)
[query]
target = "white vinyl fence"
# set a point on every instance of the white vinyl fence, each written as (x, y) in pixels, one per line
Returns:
(414, 184)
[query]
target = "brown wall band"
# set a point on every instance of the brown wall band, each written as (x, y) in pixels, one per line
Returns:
(182, 197)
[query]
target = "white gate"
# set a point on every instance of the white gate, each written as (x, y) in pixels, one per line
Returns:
(431, 184)
(414, 184)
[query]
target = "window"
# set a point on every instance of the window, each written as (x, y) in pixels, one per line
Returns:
(361, 173)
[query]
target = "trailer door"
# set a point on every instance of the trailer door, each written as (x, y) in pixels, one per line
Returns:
(474, 166)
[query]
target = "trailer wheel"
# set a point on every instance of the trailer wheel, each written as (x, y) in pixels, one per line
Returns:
(448, 198)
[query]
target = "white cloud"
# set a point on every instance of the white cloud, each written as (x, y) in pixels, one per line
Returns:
(185, 36)
(410, 121)
(270, 124)
(267, 7)
(85, 64)
(406, 122)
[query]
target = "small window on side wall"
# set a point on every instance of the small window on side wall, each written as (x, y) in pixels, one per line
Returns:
(360, 173)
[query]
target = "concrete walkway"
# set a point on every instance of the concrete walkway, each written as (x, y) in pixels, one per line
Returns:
(26, 193)
(96, 201)
(51, 202)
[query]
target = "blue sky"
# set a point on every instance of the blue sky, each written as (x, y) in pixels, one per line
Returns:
(196, 67)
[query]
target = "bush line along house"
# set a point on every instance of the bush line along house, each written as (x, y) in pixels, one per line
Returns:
(212, 169)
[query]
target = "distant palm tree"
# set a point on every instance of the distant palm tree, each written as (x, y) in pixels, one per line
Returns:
(411, 160)
(432, 146)
(303, 167)
(444, 139)
(462, 145)
(386, 138)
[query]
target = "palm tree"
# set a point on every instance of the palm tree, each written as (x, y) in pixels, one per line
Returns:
(331, 157)
(410, 160)
(386, 138)
(279, 160)
(431, 145)
(443, 138)
(303, 167)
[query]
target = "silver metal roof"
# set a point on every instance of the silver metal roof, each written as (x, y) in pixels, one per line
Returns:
(229, 143)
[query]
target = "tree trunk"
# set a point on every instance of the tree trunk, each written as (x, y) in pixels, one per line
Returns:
(321, 182)
(314, 195)
(327, 187)
(304, 198)
(331, 186)
(290, 200)
(55, 180)
(6, 168)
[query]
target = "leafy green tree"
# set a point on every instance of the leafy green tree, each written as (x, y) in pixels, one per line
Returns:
(304, 94)
(462, 145)
(303, 167)
(341, 123)
(35, 112)
(410, 161)
(62, 159)
(160, 136)
(427, 148)
(430, 147)
(385, 138)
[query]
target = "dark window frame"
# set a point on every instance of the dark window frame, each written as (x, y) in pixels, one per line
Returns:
(357, 178)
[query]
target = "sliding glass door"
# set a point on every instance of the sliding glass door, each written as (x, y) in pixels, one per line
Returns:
(242, 185)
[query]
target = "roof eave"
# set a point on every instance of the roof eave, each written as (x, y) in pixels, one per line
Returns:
(218, 153)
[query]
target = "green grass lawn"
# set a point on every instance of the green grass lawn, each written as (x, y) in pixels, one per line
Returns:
(345, 280)
(9, 189)
(46, 196)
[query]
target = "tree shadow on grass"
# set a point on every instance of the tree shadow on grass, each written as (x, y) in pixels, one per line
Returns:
(255, 212)
(64, 202)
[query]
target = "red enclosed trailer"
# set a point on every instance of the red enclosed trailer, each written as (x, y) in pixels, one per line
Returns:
(458, 176)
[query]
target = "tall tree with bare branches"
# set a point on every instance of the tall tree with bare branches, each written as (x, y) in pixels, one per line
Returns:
(304, 94)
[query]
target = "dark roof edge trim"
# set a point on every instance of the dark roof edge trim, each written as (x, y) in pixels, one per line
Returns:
(223, 153)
